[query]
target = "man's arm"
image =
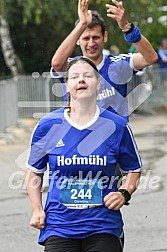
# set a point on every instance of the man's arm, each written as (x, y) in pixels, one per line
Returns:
(145, 55)
(65, 50)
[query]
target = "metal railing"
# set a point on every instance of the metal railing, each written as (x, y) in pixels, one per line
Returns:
(154, 82)
(32, 95)
(8, 104)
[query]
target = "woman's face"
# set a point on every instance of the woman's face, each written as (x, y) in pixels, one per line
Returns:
(82, 81)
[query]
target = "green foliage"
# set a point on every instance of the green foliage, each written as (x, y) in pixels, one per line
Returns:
(39, 26)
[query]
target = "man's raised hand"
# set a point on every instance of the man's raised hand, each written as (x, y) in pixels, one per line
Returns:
(85, 15)
(117, 12)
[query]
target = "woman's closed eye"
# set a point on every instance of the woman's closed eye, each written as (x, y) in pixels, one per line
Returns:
(88, 75)
(73, 77)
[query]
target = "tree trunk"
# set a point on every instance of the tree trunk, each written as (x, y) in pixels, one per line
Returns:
(11, 59)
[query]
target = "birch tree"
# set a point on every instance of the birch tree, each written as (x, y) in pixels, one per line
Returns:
(11, 58)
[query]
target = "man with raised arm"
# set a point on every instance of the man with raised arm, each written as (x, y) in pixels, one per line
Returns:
(115, 71)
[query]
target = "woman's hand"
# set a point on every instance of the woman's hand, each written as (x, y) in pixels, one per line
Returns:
(114, 200)
(38, 219)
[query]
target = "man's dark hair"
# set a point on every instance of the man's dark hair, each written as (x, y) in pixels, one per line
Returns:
(97, 20)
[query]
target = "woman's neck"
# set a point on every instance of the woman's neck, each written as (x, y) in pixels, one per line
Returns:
(82, 114)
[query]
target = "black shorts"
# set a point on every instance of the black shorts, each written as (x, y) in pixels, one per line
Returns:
(93, 243)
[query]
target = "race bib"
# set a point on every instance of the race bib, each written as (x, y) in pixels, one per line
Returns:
(81, 193)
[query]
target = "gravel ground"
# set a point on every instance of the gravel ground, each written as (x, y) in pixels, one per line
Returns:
(145, 218)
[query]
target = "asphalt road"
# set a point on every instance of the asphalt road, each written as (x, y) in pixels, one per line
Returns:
(145, 218)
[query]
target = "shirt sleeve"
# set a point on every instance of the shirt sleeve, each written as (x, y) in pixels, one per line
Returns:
(54, 74)
(37, 157)
(162, 55)
(120, 69)
(129, 158)
(129, 58)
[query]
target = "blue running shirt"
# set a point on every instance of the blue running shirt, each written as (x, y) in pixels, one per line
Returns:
(81, 162)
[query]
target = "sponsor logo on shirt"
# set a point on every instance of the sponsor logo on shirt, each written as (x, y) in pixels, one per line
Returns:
(106, 93)
(60, 143)
(75, 160)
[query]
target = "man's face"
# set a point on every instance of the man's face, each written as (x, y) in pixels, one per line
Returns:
(92, 43)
